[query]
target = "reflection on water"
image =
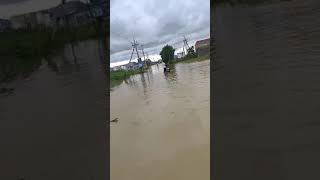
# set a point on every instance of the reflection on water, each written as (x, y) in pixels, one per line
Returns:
(163, 130)
(50, 127)
(266, 96)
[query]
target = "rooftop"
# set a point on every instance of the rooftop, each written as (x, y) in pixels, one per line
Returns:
(203, 42)
(68, 8)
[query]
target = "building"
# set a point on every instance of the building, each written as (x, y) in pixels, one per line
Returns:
(21, 21)
(31, 20)
(43, 18)
(202, 47)
(4, 25)
(180, 55)
(74, 13)
(134, 65)
(116, 68)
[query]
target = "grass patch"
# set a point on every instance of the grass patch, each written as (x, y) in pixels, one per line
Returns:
(116, 77)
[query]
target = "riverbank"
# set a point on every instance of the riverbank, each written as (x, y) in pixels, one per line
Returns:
(197, 59)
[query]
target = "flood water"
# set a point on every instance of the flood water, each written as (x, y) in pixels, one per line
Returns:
(53, 125)
(163, 130)
(267, 91)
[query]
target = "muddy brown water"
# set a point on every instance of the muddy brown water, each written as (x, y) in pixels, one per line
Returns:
(163, 130)
(266, 93)
(53, 126)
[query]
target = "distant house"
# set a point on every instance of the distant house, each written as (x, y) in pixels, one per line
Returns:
(115, 68)
(134, 65)
(4, 25)
(130, 65)
(44, 18)
(180, 54)
(202, 47)
(31, 20)
(21, 21)
(74, 13)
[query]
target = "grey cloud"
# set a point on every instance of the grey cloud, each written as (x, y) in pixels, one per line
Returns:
(5, 2)
(156, 23)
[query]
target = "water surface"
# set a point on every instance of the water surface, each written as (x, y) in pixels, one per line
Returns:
(53, 125)
(163, 130)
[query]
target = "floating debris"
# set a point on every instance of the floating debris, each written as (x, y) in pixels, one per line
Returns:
(114, 120)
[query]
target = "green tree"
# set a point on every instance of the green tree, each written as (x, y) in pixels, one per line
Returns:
(167, 54)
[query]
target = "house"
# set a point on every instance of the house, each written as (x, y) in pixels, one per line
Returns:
(74, 13)
(4, 25)
(31, 20)
(129, 66)
(180, 55)
(134, 65)
(44, 18)
(202, 47)
(21, 21)
(115, 68)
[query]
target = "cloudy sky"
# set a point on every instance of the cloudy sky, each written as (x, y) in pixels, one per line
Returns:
(155, 23)
(13, 7)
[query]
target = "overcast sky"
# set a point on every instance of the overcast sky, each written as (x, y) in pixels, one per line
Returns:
(155, 23)
(13, 7)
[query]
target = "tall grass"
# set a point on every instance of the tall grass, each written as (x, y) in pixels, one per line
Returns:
(116, 77)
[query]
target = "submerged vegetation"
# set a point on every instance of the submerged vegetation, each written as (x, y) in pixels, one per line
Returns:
(195, 59)
(116, 77)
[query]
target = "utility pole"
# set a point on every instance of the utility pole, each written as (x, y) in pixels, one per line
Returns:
(185, 45)
(144, 57)
(135, 48)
